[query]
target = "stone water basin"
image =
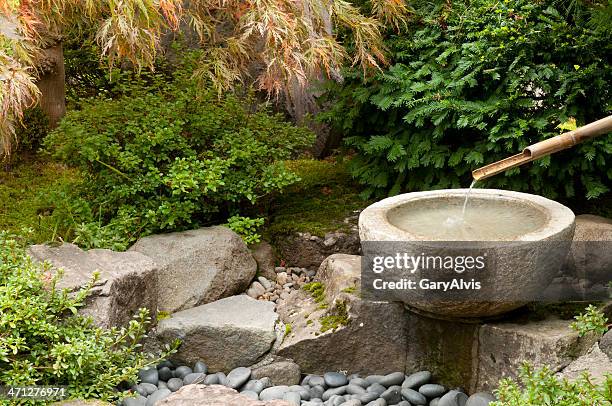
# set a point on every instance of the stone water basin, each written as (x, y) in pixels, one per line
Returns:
(524, 237)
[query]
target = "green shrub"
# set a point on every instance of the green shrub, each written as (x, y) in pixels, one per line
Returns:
(592, 319)
(542, 387)
(44, 342)
(171, 159)
(473, 82)
(246, 228)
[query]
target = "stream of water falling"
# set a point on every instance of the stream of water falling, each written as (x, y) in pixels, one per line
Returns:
(465, 202)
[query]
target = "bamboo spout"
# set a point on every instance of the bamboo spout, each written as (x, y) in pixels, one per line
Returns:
(546, 147)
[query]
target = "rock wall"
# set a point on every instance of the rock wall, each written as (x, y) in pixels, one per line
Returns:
(381, 337)
(198, 276)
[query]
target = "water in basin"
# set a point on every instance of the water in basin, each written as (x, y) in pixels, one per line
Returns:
(443, 219)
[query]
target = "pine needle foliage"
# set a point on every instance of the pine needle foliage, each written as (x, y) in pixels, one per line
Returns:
(473, 82)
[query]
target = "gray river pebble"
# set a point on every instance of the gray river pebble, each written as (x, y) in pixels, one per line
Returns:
(165, 363)
(355, 389)
(194, 377)
(149, 375)
(413, 396)
(368, 397)
(417, 379)
(351, 402)
(432, 390)
(396, 378)
(254, 385)
(212, 379)
(302, 391)
(137, 401)
(237, 377)
(175, 384)
(157, 396)
(222, 378)
(148, 388)
(331, 389)
(359, 382)
(453, 398)
(316, 380)
(340, 390)
(266, 382)
(200, 367)
(392, 395)
(182, 371)
(165, 373)
(373, 379)
(274, 392)
(317, 392)
(250, 394)
(376, 388)
(335, 379)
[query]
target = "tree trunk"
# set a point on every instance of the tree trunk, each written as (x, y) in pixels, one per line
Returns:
(301, 101)
(302, 106)
(52, 84)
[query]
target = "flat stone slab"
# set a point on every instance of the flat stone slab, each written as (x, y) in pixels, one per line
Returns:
(590, 257)
(373, 340)
(225, 334)
(214, 395)
(595, 362)
(126, 280)
(198, 266)
(503, 347)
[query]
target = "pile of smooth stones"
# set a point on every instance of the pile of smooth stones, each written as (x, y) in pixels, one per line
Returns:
(331, 389)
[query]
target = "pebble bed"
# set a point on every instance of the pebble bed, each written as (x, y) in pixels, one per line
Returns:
(331, 389)
(287, 279)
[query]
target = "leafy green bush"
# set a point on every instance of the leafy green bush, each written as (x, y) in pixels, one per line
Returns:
(44, 342)
(542, 387)
(171, 159)
(473, 82)
(592, 319)
(246, 227)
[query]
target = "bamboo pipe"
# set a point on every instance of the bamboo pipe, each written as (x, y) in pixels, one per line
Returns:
(546, 147)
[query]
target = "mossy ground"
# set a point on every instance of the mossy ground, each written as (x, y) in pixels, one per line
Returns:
(317, 204)
(22, 189)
